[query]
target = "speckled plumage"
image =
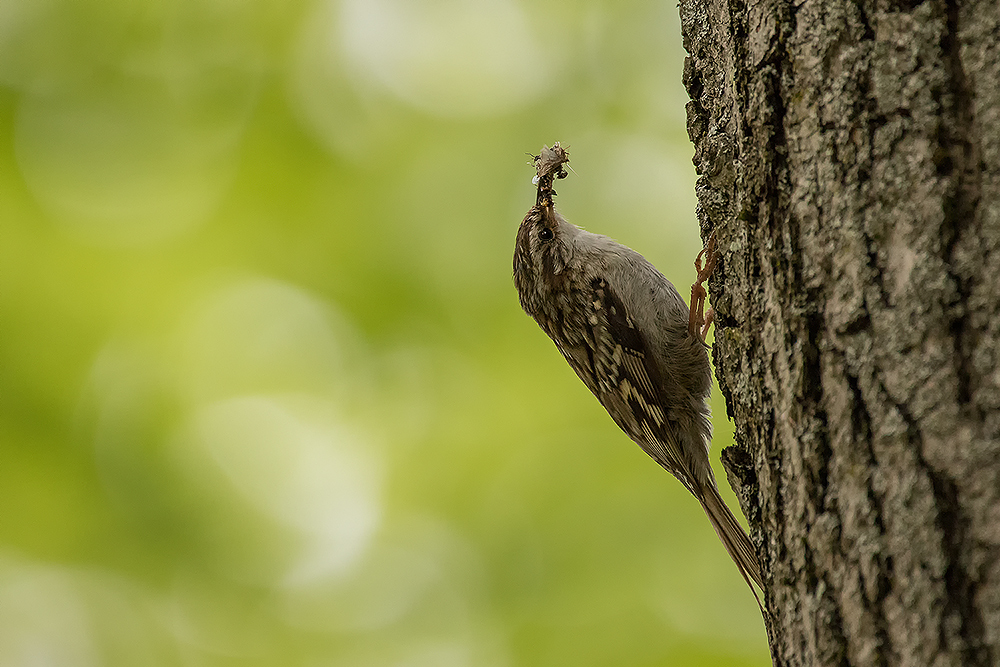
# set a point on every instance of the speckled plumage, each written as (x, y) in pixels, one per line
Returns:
(623, 328)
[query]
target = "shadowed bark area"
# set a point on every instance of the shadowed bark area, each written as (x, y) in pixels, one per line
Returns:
(849, 162)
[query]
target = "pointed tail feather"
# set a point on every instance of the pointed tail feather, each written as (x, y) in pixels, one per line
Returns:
(733, 538)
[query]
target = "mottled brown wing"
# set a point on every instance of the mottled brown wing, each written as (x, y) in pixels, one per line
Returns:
(613, 361)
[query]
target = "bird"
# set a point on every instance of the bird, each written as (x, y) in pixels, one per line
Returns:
(627, 333)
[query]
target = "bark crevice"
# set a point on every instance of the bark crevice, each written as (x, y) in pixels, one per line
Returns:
(959, 163)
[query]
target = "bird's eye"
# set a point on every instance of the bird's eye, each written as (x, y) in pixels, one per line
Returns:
(545, 234)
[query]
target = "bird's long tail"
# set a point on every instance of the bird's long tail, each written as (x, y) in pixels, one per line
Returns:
(733, 538)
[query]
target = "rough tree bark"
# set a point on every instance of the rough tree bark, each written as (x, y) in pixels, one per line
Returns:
(849, 161)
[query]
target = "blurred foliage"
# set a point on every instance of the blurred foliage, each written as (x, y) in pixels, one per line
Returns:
(266, 394)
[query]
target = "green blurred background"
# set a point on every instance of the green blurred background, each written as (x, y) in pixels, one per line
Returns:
(266, 393)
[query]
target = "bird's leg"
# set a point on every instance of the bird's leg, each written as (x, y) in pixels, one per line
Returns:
(698, 320)
(709, 320)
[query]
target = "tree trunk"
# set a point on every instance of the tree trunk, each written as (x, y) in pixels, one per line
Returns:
(849, 161)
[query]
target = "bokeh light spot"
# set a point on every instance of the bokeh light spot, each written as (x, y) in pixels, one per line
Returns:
(133, 161)
(312, 477)
(450, 58)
